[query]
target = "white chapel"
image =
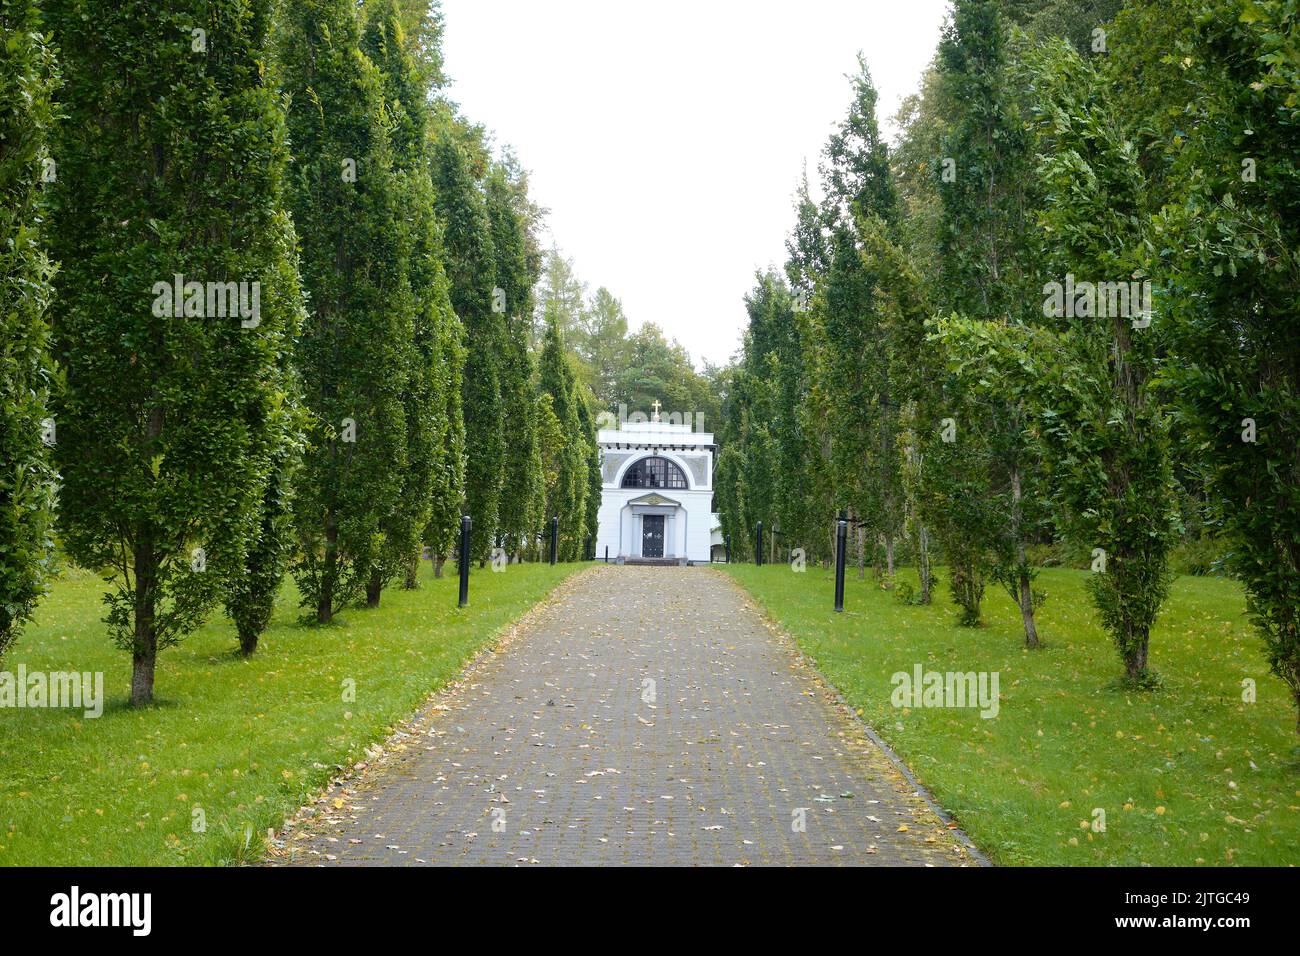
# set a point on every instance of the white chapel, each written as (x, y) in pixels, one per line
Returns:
(656, 501)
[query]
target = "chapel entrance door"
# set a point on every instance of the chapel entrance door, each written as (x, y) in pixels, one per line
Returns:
(652, 536)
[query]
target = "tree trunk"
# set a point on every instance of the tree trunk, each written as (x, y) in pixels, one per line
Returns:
(143, 660)
(889, 559)
(373, 589)
(247, 644)
(144, 652)
(325, 600)
(860, 539)
(1027, 610)
(1135, 658)
(923, 561)
(1026, 592)
(438, 562)
(412, 581)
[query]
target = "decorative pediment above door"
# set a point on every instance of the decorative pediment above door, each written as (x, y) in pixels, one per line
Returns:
(654, 499)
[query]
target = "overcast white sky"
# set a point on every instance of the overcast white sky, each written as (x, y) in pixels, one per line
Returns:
(667, 139)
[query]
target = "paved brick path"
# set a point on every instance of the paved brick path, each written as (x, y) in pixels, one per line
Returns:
(642, 716)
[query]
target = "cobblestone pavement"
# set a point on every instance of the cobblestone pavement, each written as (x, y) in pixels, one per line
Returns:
(643, 715)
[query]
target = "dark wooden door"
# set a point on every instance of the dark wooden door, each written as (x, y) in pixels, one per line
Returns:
(652, 536)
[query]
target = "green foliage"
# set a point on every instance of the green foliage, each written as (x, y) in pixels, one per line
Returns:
(566, 492)
(989, 270)
(517, 271)
(471, 269)
(1109, 435)
(449, 473)
(595, 479)
(427, 379)
(250, 600)
(356, 351)
(168, 423)
(27, 81)
(1227, 233)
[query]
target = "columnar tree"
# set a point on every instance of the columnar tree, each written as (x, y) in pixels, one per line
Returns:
(178, 297)
(862, 413)
(591, 457)
(423, 401)
(355, 351)
(1089, 377)
(1111, 435)
(989, 274)
(471, 268)
(518, 265)
(27, 80)
(566, 495)
(449, 473)
(1223, 152)
(250, 599)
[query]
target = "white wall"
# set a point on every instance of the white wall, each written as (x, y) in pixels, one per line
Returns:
(698, 519)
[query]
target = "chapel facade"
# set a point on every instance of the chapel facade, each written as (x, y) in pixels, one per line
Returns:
(656, 502)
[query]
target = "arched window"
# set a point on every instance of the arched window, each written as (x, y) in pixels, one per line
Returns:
(654, 473)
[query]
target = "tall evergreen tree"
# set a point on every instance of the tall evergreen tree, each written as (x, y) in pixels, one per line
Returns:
(27, 80)
(603, 345)
(167, 423)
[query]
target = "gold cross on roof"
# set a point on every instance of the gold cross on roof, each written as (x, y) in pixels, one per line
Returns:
(655, 406)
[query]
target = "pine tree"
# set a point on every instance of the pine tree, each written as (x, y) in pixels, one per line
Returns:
(355, 351)
(167, 424)
(27, 81)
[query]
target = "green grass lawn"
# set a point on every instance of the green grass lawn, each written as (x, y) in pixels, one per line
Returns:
(1186, 774)
(246, 742)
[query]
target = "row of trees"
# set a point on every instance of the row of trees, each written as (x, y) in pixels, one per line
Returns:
(290, 327)
(1064, 308)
